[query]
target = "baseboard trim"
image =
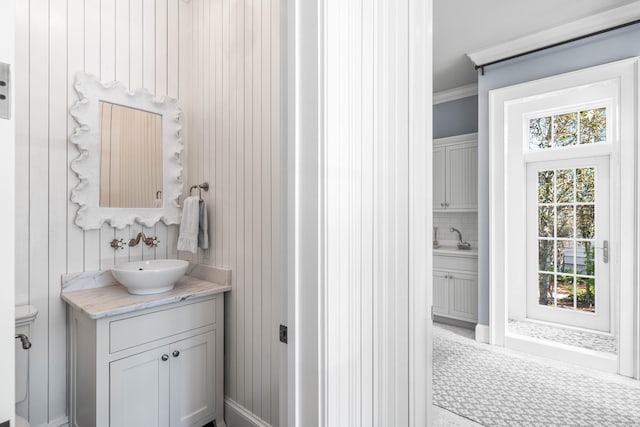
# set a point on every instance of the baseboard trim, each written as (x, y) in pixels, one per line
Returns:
(237, 415)
(60, 422)
(482, 333)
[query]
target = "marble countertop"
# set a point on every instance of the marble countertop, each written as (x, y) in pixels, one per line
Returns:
(109, 298)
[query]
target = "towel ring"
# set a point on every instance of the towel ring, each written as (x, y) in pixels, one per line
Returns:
(204, 186)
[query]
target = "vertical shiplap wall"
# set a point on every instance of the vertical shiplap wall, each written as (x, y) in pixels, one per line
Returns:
(134, 41)
(220, 58)
(234, 144)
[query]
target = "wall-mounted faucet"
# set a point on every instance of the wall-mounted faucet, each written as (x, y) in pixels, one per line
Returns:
(461, 244)
(149, 241)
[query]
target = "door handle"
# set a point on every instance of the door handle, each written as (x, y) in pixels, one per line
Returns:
(605, 251)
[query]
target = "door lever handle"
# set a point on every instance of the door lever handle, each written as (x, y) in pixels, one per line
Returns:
(605, 251)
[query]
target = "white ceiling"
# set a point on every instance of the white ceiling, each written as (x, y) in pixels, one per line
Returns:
(465, 26)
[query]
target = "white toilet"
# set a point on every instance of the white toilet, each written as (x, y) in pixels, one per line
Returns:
(25, 315)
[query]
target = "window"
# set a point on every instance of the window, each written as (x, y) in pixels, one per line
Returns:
(569, 129)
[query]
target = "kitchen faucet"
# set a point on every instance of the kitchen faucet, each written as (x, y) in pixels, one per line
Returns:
(461, 244)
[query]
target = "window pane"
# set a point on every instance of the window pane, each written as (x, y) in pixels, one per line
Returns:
(545, 288)
(545, 221)
(585, 219)
(565, 221)
(586, 288)
(565, 129)
(565, 256)
(545, 255)
(585, 185)
(585, 256)
(564, 186)
(540, 133)
(545, 187)
(564, 294)
(593, 126)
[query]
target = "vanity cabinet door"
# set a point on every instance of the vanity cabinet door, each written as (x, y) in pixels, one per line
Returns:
(192, 379)
(139, 389)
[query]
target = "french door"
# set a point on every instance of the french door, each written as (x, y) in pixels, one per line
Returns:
(568, 252)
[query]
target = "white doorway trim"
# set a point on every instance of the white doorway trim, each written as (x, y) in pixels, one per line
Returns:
(397, 107)
(501, 207)
(7, 218)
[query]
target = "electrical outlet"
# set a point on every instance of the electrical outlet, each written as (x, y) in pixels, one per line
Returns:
(5, 91)
(283, 334)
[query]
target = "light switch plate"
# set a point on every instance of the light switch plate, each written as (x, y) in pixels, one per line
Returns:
(5, 91)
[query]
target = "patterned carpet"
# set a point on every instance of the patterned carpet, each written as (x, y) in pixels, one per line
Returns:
(498, 387)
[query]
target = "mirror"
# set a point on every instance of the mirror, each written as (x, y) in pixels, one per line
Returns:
(130, 151)
(129, 168)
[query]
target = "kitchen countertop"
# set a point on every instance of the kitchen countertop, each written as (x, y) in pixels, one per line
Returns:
(109, 298)
(454, 251)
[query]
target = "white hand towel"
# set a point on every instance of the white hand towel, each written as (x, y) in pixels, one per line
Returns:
(188, 238)
(203, 233)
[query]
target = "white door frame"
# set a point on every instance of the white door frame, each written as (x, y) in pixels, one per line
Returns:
(307, 352)
(500, 211)
(7, 219)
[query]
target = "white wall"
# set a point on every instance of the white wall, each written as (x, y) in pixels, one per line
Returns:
(234, 144)
(7, 218)
(216, 57)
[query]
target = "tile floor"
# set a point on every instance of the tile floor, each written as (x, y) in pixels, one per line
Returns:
(493, 386)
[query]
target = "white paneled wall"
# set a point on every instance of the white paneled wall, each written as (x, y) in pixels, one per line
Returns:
(220, 58)
(234, 145)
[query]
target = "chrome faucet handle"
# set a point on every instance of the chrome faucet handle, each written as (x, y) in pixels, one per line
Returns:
(465, 246)
(118, 244)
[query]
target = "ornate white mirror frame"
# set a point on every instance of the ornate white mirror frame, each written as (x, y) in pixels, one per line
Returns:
(90, 214)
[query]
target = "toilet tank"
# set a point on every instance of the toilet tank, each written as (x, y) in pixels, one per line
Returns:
(25, 315)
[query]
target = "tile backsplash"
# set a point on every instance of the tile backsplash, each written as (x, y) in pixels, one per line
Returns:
(466, 222)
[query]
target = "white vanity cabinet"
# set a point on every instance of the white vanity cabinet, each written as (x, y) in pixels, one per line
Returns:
(455, 173)
(160, 366)
(455, 285)
(171, 385)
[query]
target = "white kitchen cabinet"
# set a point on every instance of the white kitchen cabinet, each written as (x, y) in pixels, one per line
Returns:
(153, 367)
(455, 286)
(455, 173)
(440, 293)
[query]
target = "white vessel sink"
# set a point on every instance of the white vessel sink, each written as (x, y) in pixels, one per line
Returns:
(150, 277)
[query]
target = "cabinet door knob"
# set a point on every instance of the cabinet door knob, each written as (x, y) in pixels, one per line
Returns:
(165, 357)
(442, 204)
(176, 353)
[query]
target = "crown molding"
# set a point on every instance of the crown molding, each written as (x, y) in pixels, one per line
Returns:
(601, 21)
(455, 93)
